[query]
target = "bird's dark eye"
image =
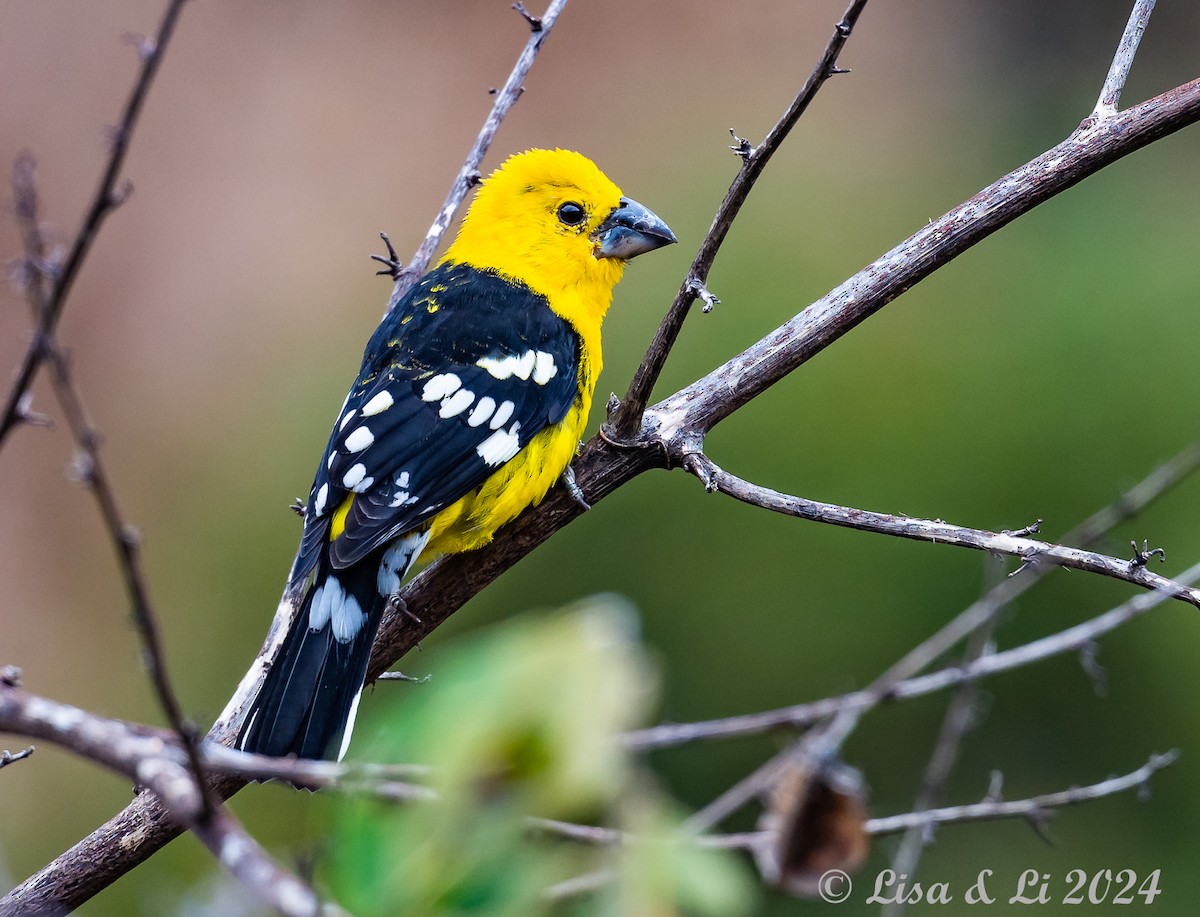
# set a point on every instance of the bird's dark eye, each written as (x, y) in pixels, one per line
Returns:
(571, 214)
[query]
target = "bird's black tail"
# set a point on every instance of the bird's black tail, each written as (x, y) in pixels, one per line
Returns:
(307, 703)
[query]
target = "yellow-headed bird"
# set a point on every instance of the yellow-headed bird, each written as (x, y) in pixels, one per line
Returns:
(469, 405)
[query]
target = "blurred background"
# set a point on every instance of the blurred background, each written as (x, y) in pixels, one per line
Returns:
(222, 314)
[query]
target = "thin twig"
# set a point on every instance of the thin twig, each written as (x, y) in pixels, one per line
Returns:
(385, 781)
(1069, 640)
(628, 418)
(1034, 808)
(92, 473)
(958, 720)
(1029, 550)
(148, 758)
(104, 201)
(12, 757)
(468, 175)
(1118, 72)
(698, 407)
(990, 810)
(987, 810)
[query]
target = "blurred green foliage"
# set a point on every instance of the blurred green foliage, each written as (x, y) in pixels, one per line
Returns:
(522, 722)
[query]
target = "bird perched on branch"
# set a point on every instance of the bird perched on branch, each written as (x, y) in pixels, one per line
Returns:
(469, 406)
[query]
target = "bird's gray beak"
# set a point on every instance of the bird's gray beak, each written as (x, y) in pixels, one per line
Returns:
(630, 230)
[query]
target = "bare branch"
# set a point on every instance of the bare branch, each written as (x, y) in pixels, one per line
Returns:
(628, 418)
(468, 175)
(386, 781)
(1095, 144)
(1029, 550)
(93, 475)
(246, 860)
(958, 720)
(990, 810)
(104, 200)
(149, 759)
(1118, 73)
(1070, 640)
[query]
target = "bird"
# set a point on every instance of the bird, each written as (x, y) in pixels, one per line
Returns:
(469, 406)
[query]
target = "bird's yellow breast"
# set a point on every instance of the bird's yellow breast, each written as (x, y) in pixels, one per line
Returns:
(472, 521)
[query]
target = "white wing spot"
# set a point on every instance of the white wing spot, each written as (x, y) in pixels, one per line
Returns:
(322, 498)
(456, 403)
(508, 366)
(482, 411)
(544, 368)
(398, 500)
(402, 479)
(322, 602)
(396, 561)
(378, 404)
(332, 458)
(440, 386)
(347, 617)
(345, 420)
(500, 418)
(500, 446)
(359, 440)
(525, 364)
(354, 476)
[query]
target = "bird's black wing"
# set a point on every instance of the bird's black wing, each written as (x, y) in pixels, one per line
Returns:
(455, 381)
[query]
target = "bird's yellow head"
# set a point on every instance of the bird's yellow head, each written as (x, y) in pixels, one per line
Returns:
(553, 221)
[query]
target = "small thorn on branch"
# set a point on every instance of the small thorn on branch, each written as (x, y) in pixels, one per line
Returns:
(82, 469)
(995, 787)
(741, 146)
(1141, 556)
(1039, 821)
(298, 507)
(696, 285)
(119, 195)
(694, 463)
(400, 676)
(535, 22)
(613, 405)
(146, 47)
(1027, 560)
(26, 414)
(834, 70)
(1032, 529)
(8, 757)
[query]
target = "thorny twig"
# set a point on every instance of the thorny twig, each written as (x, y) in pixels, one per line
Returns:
(154, 759)
(1035, 809)
(1027, 549)
(106, 198)
(1069, 640)
(93, 474)
(624, 424)
(1032, 808)
(468, 175)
